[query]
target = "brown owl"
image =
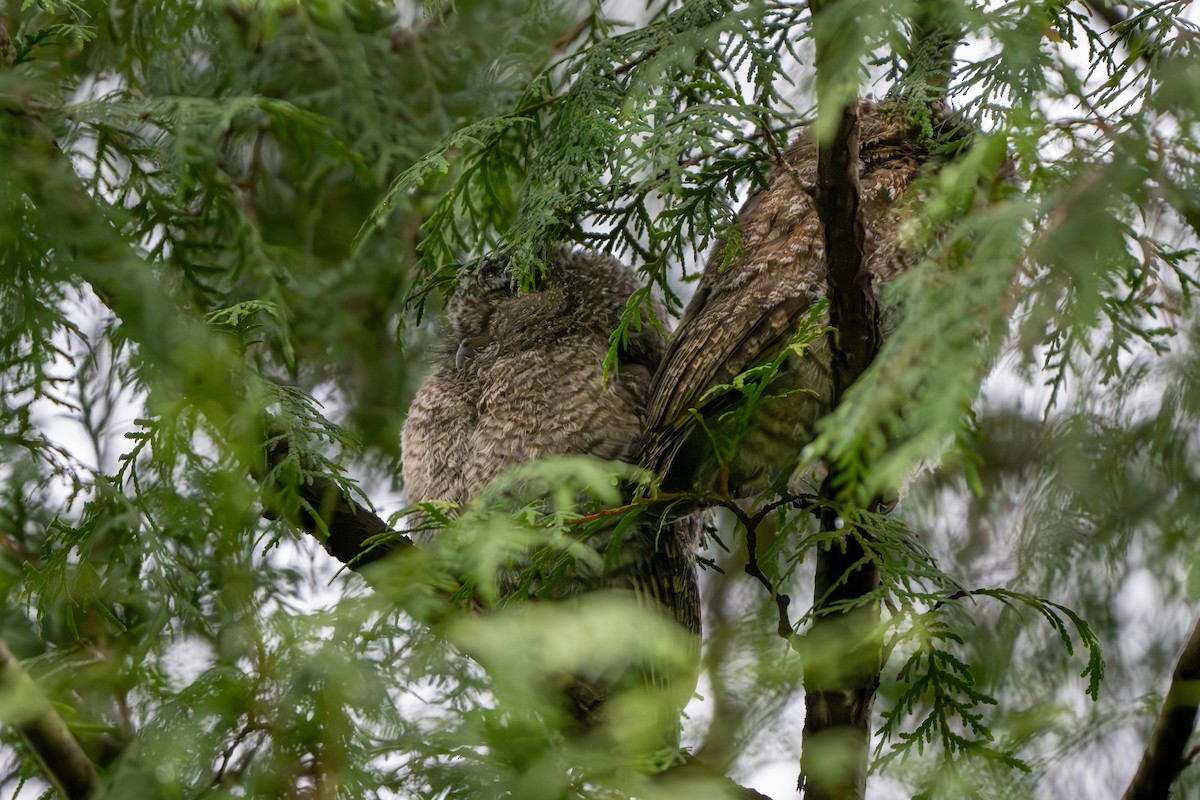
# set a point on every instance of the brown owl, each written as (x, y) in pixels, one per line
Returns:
(519, 377)
(742, 315)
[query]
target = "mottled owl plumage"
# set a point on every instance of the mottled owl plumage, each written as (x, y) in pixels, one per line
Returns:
(743, 315)
(520, 376)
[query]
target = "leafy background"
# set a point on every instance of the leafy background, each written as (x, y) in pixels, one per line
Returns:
(280, 197)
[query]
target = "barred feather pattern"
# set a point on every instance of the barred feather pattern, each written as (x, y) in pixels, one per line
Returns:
(743, 315)
(520, 376)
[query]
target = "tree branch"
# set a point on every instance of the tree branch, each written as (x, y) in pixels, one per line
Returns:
(348, 530)
(839, 699)
(676, 779)
(202, 365)
(852, 311)
(1164, 757)
(62, 759)
(838, 702)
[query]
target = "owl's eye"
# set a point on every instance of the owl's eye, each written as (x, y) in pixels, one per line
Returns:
(493, 279)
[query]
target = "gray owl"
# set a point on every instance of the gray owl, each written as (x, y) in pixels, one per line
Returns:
(743, 315)
(520, 376)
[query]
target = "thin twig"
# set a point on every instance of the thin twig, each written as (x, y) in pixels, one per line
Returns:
(782, 601)
(644, 502)
(570, 36)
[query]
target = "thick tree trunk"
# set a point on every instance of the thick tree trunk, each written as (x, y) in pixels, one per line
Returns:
(837, 725)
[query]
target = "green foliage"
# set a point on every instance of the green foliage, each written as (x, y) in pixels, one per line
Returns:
(745, 395)
(935, 681)
(217, 214)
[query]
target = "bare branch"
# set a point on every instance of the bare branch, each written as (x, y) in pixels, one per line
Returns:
(1164, 757)
(692, 769)
(63, 761)
(348, 530)
(838, 702)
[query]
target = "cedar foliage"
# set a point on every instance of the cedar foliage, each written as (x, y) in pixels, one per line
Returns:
(212, 212)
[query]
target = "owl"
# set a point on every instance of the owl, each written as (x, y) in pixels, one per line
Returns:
(520, 376)
(744, 313)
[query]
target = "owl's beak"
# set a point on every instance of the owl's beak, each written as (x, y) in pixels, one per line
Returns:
(464, 352)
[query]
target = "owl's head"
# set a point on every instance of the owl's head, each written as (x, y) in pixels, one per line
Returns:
(579, 293)
(890, 131)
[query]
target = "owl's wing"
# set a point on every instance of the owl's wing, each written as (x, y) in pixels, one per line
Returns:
(742, 316)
